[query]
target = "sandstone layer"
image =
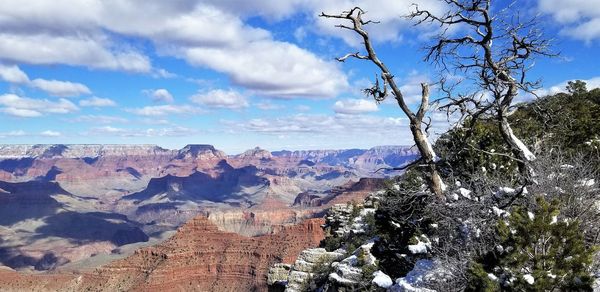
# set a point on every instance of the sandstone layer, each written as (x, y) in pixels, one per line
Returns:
(199, 257)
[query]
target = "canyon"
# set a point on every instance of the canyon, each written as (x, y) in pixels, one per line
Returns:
(135, 216)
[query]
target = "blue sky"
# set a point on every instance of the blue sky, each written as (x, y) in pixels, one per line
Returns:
(233, 73)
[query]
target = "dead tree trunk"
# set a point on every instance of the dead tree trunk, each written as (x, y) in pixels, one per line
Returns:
(428, 156)
(495, 50)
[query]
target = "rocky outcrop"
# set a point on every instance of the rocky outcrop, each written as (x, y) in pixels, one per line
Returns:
(336, 270)
(199, 257)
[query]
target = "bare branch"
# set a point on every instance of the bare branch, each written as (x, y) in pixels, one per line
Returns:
(353, 55)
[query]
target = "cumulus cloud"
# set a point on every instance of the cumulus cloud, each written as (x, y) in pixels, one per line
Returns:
(580, 19)
(70, 50)
(205, 34)
(273, 68)
(354, 106)
(159, 95)
(13, 74)
(97, 102)
(591, 83)
(219, 98)
(388, 12)
(60, 88)
(164, 110)
(28, 107)
(50, 133)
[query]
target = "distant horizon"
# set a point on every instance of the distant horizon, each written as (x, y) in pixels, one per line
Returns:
(238, 73)
(198, 144)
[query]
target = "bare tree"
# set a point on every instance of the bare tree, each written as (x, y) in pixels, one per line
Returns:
(494, 49)
(379, 93)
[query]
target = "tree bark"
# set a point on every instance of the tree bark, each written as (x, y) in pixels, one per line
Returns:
(429, 158)
(518, 148)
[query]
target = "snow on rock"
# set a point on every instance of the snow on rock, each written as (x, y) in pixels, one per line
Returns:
(465, 193)
(499, 212)
(334, 277)
(507, 190)
(492, 277)
(382, 280)
(423, 270)
(567, 166)
(586, 182)
(345, 274)
(422, 245)
(279, 273)
(529, 279)
(443, 186)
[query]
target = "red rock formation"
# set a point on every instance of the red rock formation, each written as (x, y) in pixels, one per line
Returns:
(198, 257)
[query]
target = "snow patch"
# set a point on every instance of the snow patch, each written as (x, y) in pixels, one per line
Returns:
(529, 279)
(382, 280)
(528, 155)
(465, 193)
(586, 182)
(507, 190)
(414, 278)
(422, 245)
(499, 212)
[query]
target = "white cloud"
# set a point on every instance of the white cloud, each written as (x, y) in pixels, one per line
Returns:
(354, 106)
(20, 112)
(50, 133)
(159, 95)
(108, 130)
(60, 88)
(341, 123)
(277, 69)
(97, 102)
(219, 98)
(13, 74)
(41, 49)
(100, 119)
(580, 18)
(28, 107)
(390, 14)
(163, 110)
(269, 106)
(210, 35)
(175, 131)
(162, 73)
(16, 133)
(591, 83)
